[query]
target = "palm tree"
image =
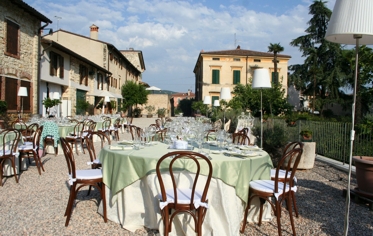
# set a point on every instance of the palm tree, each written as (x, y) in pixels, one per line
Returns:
(275, 48)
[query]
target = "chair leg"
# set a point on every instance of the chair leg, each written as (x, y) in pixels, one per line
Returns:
(14, 169)
(70, 204)
(278, 216)
(291, 215)
(262, 201)
(294, 203)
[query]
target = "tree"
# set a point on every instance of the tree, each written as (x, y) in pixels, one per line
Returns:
(275, 48)
(247, 98)
(320, 75)
(133, 95)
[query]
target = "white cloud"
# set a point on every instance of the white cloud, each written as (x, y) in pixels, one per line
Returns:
(172, 33)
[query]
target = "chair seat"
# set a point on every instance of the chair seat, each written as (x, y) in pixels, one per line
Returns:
(89, 174)
(7, 152)
(183, 196)
(27, 148)
(268, 186)
(73, 137)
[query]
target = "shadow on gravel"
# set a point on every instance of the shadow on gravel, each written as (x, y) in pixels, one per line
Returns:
(318, 201)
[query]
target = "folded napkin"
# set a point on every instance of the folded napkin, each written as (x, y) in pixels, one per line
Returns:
(116, 148)
(179, 144)
(126, 142)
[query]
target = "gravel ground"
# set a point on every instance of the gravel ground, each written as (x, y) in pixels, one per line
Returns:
(36, 205)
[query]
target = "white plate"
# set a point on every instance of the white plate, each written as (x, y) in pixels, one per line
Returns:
(125, 142)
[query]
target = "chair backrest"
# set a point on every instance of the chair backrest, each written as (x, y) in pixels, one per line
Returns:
(90, 146)
(117, 123)
(178, 159)
(240, 139)
(78, 129)
(10, 139)
(217, 124)
(31, 129)
(292, 156)
(106, 124)
(244, 131)
(290, 146)
(69, 156)
(36, 138)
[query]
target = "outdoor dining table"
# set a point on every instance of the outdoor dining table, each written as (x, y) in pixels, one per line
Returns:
(132, 189)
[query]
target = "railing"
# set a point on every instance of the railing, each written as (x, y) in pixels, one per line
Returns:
(332, 138)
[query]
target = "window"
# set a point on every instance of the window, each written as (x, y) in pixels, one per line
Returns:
(12, 39)
(83, 73)
(100, 81)
(257, 60)
(11, 94)
(56, 64)
(236, 76)
(215, 76)
(216, 59)
(236, 59)
(275, 77)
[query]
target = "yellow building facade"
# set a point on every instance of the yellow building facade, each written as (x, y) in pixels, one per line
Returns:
(217, 69)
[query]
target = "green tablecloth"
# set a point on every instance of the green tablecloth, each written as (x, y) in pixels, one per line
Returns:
(121, 168)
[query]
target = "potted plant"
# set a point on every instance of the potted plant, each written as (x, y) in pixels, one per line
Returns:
(137, 112)
(48, 103)
(161, 112)
(150, 109)
(291, 119)
(306, 135)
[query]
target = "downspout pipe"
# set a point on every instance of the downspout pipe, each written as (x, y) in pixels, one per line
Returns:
(247, 58)
(39, 69)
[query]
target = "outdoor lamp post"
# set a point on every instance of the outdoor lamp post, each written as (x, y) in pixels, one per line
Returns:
(225, 94)
(22, 92)
(261, 81)
(351, 23)
(207, 102)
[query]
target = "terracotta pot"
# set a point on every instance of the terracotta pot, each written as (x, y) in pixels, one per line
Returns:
(364, 174)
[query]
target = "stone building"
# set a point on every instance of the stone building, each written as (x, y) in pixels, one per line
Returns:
(20, 27)
(217, 69)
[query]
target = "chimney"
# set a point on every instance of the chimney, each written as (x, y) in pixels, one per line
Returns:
(94, 31)
(189, 92)
(238, 47)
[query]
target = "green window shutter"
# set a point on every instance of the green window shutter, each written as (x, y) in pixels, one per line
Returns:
(213, 98)
(236, 76)
(275, 77)
(215, 76)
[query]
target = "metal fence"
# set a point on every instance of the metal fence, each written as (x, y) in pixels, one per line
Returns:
(332, 138)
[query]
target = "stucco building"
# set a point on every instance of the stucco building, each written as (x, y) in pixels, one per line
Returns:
(20, 27)
(106, 56)
(226, 68)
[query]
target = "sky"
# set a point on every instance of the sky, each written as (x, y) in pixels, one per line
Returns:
(171, 34)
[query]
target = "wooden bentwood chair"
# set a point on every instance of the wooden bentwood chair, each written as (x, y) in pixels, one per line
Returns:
(79, 179)
(280, 191)
(183, 200)
(10, 139)
(281, 176)
(32, 148)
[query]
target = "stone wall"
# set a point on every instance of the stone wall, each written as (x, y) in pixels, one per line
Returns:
(24, 67)
(158, 101)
